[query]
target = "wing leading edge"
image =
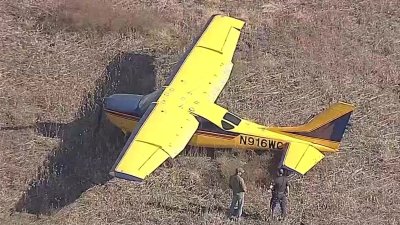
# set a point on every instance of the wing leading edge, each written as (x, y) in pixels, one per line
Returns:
(168, 124)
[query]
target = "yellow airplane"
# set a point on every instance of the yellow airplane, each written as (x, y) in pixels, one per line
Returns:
(183, 112)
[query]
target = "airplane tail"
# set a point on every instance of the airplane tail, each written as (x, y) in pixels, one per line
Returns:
(326, 128)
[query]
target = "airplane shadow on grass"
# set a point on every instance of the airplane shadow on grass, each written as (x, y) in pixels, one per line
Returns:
(89, 145)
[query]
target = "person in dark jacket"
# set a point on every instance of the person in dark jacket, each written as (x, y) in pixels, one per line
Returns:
(236, 183)
(280, 191)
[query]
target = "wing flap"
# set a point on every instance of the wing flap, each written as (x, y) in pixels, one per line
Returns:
(301, 157)
(141, 159)
(163, 134)
(170, 127)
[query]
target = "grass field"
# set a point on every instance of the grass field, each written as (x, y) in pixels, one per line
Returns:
(294, 59)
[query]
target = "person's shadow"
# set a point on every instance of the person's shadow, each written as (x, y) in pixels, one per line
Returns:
(90, 144)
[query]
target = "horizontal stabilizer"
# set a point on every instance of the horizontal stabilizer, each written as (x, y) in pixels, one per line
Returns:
(301, 157)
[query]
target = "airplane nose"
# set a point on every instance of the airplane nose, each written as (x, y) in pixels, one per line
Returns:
(123, 103)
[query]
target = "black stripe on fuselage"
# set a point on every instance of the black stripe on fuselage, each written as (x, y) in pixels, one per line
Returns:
(218, 135)
(124, 115)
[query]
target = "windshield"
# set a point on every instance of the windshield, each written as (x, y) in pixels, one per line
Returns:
(148, 99)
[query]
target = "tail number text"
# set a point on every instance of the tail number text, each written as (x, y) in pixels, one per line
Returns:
(260, 142)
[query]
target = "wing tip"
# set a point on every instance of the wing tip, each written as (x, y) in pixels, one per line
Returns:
(238, 23)
(128, 177)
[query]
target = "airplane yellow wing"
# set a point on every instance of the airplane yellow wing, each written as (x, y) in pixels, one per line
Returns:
(301, 157)
(168, 124)
(161, 133)
(207, 67)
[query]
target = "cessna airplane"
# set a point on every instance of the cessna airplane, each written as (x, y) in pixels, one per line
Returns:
(183, 112)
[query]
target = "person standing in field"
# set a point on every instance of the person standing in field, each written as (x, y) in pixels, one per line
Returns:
(236, 183)
(280, 191)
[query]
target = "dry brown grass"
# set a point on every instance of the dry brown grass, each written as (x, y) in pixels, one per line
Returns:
(99, 16)
(293, 60)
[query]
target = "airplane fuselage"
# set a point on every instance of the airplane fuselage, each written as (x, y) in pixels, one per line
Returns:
(207, 135)
(126, 110)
